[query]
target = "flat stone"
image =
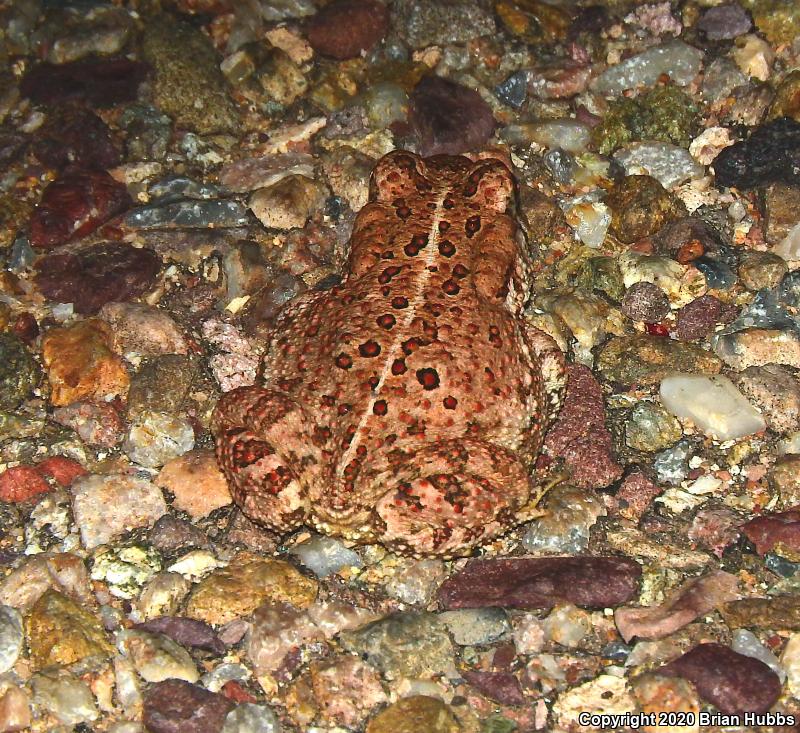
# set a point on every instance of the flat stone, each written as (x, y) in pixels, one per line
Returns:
(775, 612)
(529, 583)
(156, 657)
(778, 533)
(176, 706)
(669, 164)
(415, 713)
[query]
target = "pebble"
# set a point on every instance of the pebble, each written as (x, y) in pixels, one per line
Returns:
(325, 556)
(15, 710)
(189, 214)
(155, 439)
(679, 60)
(785, 479)
(476, 626)
(408, 644)
(529, 583)
(247, 717)
(715, 529)
(11, 637)
(691, 600)
(105, 507)
(731, 681)
(565, 528)
(34, 576)
(247, 582)
(415, 713)
(775, 612)
(19, 372)
(567, 626)
(590, 220)
(162, 595)
(188, 84)
(143, 330)
(746, 642)
(775, 391)
(186, 631)
(569, 135)
(60, 632)
(636, 494)
(714, 405)
(724, 22)
(669, 164)
(698, 318)
(640, 206)
(448, 118)
(156, 657)
(196, 482)
(91, 280)
(754, 56)
(579, 435)
(287, 204)
(62, 470)
(160, 390)
(666, 696)
(74, 205)
(605, 694)
(790, 663)
(760, 270)
(97, 424)
(345, 28)
(644, 301)
(502, 687)
(781, 214)
(764, 158)
(646, 360)
(778, 533)
(650, 428)
(125, 569)
(415, 583)
(81, 365)
(66, 697)
(426, 24)
(21, 484)
(177, 706)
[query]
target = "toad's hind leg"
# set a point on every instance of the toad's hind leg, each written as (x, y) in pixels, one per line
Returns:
(253, 428)
(448, 497)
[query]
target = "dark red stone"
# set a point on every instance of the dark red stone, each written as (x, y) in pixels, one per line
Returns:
(580, 436)
(698, 319)
(94, 277)
(75, 135)
(21, 483)
(102, 83)
(74, 205)
(345, 28)
(449, 118)
(64, 470)
(735, 683)
(542, 582)
(502, 687)
(775, 529)
(185, 631)
(175, 706)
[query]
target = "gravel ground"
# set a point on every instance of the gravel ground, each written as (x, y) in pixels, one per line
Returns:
(172, 174)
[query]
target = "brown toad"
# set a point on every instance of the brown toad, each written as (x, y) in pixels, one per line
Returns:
(405, 406)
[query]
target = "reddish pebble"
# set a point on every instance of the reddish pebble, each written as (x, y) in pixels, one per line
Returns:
(63, 470)
(233, 690)
(345, 28)
(75, 205)
(774, 530)
(657, 329)
(22, 483)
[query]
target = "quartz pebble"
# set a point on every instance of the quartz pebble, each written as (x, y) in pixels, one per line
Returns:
(713, 403)
(325, 556)
(746, 642)
(669, 164)
(64, 696)
(11, 637)
(155, 439)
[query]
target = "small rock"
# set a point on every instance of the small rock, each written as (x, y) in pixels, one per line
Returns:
(325, 555)
(775, 612)
(416, 582)
(502, 687)
(778, 533)
(80, 364)
(162, 595)
(733, 682)
(247, 717)
(605, 694)
(650, 428)
(715, 529)
(188, 84)
(15, 710)
(162, 387)
(567, 626)
(97, 276)
(697, 319)
(449, 118)
(143, 330)
(74, 205)
(659, 695)
(747, 643)
(440, 23)
(22, 483)
(579, 434)
(186, 631)
(775, 391)
(249, 174)
(278, 629)
(187, 214)
(646, 302)
(100, 82)
(11, 638)
(196, 482)
(410, 644)
(238, 589)
(287, 204)
(714, 404)
(156, 657)
(754, 56)
(64, 572)
(636, 494)
(64, 696)
(125, 569)
(176, 706)
(640, 206)
(60, 632)
(646, 360)
(669, 164)
(724, 22)
(781, 211)
(106, 507)
(766, 157)
(155, 439)
(759, 270)
(415, 713)
(571, 513)
(693, 599)
(95, 423)
(62, 470)
(790, 660)
(345, 28)
(19, 372)
(593, 582)
(476, 626)
(675, 58)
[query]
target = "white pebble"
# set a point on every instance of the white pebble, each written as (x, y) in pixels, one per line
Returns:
(714, 404)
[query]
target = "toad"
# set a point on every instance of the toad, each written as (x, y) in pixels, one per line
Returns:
(407, 405)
